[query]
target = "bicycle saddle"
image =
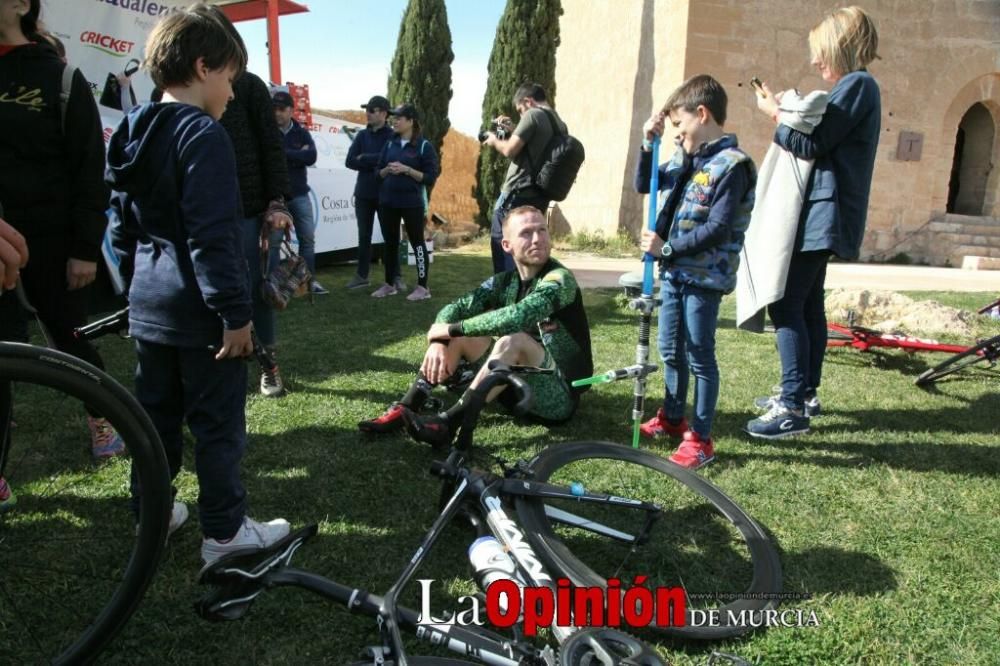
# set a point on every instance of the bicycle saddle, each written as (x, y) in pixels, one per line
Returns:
(242, 575)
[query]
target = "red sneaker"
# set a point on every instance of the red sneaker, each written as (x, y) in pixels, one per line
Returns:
(693, 451)
(659, 426)
(390, 421)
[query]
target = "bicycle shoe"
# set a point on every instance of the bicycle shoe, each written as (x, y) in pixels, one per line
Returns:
(390, 421)
(431, 429)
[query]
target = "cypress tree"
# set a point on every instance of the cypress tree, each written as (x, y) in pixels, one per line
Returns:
(421, 67)
(524, 50)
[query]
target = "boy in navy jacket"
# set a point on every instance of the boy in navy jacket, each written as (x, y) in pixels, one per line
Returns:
(175, 191)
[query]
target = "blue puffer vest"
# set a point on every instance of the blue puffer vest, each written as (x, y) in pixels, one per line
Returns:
(714, 268)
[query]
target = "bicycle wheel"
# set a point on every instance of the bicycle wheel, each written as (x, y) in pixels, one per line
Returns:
(986, 353)
(592, 647)
(73, 563)
(701, 541)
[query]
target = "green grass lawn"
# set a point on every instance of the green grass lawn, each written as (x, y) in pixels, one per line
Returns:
(886, 513)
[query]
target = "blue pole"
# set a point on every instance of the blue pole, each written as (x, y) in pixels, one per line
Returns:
(654, 189)
(646, 303)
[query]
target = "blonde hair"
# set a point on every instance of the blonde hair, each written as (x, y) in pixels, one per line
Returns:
(845, 41)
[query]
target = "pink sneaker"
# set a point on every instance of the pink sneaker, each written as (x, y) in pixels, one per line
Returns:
(693, 451)
(419, 294)
(659, 426)
(384, 290)
(7, 498)
(105, 442)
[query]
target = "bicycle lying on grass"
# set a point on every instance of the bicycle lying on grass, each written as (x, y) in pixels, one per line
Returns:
(985, 352)
(586, 512)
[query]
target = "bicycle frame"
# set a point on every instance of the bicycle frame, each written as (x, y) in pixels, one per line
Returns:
(239, 586)
(485, 645)
(864, 339)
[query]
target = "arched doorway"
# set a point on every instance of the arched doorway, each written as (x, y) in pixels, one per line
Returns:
(972, 162)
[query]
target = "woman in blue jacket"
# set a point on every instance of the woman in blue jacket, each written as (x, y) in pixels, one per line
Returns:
(833, 215)
(408, 166)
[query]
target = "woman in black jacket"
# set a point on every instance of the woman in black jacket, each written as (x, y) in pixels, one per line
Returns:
(52, 189)
(408, 166)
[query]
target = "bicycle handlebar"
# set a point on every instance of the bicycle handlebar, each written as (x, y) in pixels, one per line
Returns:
(118, 322)
(114, 323)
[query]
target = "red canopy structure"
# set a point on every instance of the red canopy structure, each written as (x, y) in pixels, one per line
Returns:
(251, 10)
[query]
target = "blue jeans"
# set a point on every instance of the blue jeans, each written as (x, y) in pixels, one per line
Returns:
(175, 385)
(263, 315)
(364, 210)
(688, 318)
(305, 229)
(800, 325)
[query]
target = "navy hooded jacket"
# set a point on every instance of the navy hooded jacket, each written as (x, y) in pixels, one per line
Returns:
(177, 234)
(363, 157)
(399, 190)
(836, 205)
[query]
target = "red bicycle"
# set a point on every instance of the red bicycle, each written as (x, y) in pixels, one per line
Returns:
(985, 352)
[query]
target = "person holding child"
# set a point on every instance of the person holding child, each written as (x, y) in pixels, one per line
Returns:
(834, 210)
(707, 196)
(178, 237)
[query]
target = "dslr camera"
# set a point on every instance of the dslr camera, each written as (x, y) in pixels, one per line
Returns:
(502, 130)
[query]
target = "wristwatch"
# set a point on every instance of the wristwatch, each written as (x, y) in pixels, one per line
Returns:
(666, 250)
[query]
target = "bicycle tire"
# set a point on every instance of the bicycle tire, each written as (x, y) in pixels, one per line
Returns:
(108, 591)
(689, 500)
(987, 351)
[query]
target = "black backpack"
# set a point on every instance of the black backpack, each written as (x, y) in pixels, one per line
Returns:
(564, 155)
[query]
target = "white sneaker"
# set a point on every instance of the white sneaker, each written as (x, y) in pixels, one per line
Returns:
(250, 535)
(271, 385)
(178, 516)
(385, 290)
(419, 294)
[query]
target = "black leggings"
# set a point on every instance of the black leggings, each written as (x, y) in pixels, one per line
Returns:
(413, 219)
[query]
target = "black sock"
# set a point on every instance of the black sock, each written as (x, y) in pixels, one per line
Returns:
(418, 393)
(471, 398)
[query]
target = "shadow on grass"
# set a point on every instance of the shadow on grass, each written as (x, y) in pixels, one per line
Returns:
(829, 570)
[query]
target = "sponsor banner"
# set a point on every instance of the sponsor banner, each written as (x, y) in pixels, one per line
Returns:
(101, 36)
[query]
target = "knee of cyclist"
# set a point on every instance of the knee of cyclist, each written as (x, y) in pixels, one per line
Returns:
(512, 343)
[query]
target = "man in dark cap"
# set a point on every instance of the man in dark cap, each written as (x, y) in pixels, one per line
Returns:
(363, 158)
(300, 152)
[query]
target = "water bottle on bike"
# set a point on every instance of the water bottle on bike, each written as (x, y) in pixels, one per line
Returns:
(492, 563)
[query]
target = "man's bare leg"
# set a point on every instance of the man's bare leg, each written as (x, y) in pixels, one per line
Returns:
(515, 349)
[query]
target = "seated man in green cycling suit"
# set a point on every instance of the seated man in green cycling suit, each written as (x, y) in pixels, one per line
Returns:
(532, 315)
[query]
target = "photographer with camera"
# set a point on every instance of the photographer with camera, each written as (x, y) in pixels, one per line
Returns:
(526, 146)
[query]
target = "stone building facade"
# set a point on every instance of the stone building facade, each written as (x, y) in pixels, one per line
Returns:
(936, 190)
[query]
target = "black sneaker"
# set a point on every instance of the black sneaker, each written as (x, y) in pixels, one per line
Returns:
(432, 429)
(390, 421)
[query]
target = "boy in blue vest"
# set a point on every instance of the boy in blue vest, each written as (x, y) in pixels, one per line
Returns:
(708, 193)
(177, 234)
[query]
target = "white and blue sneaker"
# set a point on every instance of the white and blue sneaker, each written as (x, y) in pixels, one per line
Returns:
(779, 422)
(812, 406)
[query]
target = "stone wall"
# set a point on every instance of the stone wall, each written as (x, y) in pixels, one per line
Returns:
(619, 60)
